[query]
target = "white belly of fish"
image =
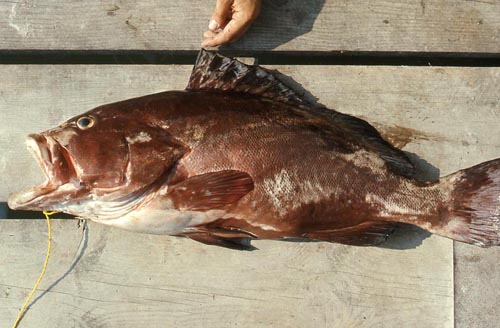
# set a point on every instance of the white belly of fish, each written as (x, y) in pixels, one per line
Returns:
(157, 220)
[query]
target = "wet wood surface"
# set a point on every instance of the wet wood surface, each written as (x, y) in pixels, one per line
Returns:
(105, 277)
(286, 25)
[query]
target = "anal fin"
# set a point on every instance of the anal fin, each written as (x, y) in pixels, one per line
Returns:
(217, 240)
(364, 234)
(227, 228)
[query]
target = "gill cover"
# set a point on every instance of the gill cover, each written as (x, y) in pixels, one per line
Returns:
(119, 152)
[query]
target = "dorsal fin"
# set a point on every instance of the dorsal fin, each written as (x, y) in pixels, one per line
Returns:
(217, 72)
(358, 131)
(213, 71)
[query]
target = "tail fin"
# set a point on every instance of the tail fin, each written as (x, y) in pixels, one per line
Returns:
(473, 214)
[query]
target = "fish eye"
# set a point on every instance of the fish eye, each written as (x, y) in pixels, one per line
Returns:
(85, 122)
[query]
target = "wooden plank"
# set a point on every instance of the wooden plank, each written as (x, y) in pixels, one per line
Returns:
(317, 25)
(121, 278)
(477, 282)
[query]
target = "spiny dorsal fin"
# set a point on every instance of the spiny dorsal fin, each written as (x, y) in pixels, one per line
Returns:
(217, 72)
(213, 71)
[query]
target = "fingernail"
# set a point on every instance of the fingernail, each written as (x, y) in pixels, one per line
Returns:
(213, 25)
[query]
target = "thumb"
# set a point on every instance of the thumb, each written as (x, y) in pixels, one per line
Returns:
(220, 14)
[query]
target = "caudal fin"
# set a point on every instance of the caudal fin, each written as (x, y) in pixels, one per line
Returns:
(473, 212)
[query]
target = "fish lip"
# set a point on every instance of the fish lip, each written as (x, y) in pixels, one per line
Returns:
(57, 166)
(38, 148)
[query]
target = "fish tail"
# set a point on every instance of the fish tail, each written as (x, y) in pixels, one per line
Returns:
(472, 212)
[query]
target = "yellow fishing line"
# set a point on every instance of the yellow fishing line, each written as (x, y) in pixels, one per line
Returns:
(37, 284)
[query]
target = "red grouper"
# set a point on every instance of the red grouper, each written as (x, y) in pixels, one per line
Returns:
(238, 155)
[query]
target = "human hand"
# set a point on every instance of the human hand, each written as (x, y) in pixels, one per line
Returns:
(230, 20)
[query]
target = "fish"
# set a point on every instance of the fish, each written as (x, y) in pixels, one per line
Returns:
(237, 156)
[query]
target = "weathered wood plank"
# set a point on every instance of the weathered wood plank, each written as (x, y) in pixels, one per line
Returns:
(121, 278)
(477, 282)
(318, 25)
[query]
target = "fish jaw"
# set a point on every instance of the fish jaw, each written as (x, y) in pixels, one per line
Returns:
(60, 185)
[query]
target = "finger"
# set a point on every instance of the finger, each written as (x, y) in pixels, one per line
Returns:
(209, 34)
(248, 9)
(220, 15)
(208, 42)
(230, 33)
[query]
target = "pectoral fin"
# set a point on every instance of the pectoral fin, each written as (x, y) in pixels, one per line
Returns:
(211, 190)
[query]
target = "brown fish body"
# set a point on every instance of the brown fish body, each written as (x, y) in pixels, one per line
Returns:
(225, 160)
(302, 183)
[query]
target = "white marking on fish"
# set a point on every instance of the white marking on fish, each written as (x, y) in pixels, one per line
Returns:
(312, 192)
(363, 159)
(197, 132)
(279, 188)
(64, 136)
(140, 138)
(264, 226)
(287, 191)
(390, 207)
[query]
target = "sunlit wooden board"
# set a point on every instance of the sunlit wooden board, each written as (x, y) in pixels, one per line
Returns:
(293, 25)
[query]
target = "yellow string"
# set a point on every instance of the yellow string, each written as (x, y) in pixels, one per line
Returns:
(30, 296)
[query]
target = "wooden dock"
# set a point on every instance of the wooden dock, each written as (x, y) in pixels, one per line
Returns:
(102, 277)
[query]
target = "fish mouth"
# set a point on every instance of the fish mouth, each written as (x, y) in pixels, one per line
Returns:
(61, 179)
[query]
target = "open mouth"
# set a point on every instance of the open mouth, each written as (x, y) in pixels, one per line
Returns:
(59, 171)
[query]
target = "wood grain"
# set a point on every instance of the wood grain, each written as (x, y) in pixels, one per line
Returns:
(286, 25)
(113, 278)
(108, 277)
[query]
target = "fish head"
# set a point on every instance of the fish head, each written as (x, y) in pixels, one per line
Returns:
(99, 164)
